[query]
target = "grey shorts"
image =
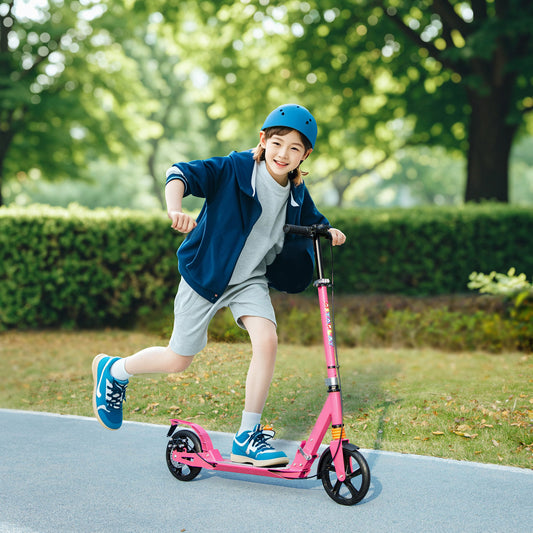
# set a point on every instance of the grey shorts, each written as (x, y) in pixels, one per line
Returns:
(193, 313)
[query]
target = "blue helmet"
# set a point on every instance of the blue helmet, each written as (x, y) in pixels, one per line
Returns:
(296, 117)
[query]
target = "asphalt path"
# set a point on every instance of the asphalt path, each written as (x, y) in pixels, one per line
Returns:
(68, 474)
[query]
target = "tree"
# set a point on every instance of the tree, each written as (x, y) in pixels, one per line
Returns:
(64, 83)
(378, 75)
(488, 46)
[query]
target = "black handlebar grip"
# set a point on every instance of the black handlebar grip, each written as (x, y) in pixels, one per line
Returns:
(308, 231)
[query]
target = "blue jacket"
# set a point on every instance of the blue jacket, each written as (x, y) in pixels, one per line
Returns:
(208, 255)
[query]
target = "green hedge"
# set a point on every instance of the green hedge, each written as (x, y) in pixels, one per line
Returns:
(77, 267)
(433, 250)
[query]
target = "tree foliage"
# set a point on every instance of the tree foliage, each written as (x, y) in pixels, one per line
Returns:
(378, 75)
(80, 79)
(68, 92)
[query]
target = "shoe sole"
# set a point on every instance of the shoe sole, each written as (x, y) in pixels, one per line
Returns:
(96, 360)
(243, 459)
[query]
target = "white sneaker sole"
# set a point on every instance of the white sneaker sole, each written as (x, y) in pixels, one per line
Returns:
(243, 459)
(96, 360)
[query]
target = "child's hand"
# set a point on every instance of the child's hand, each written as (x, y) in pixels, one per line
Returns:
(181, 221)
(337, 237)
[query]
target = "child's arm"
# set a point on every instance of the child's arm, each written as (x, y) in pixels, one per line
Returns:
(182, 222)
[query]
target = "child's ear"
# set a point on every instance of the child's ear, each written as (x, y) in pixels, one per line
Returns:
(262, 139)
(306, 155)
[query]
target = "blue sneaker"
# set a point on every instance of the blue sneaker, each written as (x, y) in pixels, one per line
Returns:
(108, 394)
(252, 447)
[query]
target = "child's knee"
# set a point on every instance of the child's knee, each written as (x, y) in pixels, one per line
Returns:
(272, 338)
(177, 363)
(266, 342)
(261, 330)
(271, 333)
(265, 339)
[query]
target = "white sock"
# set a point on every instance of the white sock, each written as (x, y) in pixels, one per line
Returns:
(118, 371)
(249, 421)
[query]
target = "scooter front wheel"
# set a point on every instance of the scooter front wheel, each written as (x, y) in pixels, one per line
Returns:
(183, 441)
(357, 481)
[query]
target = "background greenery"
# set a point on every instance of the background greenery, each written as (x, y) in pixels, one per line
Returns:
(91, 268)
(417, 102)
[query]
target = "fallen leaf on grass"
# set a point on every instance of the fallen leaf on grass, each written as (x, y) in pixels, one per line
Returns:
(150, 407)
(495, 442)
(465, 435)
(438, 432)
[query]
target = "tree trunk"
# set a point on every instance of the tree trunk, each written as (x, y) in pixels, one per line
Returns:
(490, 140)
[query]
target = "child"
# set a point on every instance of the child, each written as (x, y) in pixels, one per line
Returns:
(234, 250)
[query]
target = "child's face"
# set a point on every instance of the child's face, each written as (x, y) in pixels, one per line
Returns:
(283, 153)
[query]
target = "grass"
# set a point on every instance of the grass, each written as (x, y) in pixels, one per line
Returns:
(468, 406)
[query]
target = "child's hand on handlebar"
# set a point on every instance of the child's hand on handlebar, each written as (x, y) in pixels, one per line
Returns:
(337, 236)
(181, 221)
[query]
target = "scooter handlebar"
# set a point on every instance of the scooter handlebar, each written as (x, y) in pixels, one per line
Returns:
(308, 231)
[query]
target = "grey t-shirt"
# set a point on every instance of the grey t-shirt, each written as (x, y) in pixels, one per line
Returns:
(265, 240)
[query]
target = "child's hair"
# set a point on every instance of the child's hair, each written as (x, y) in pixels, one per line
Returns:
(259, 152)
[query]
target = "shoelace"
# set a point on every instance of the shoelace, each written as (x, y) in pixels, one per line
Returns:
(115, 394)
(260, 437)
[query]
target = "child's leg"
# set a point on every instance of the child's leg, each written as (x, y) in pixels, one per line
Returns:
(111, 376)
(155, 360)
(250, 445)
(264, 347)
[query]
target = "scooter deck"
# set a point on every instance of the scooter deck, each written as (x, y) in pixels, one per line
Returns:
(211, 458)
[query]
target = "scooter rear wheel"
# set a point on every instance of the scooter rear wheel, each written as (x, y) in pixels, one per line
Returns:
(182, 441)
(357, 481)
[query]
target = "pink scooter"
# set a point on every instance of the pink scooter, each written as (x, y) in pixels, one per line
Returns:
(343, 470)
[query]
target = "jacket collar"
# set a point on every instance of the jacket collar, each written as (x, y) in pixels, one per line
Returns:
(297, 194)
(244, 168)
